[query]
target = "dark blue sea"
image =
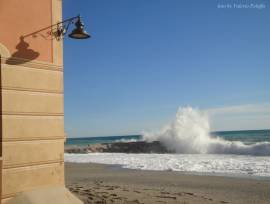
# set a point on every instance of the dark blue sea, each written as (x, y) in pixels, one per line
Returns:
(102, 139)
(245, 136)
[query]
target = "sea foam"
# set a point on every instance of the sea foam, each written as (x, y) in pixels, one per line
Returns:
(190, 133)
(200, 163)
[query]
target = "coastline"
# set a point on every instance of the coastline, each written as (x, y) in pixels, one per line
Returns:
(100, 183)
(120, 147)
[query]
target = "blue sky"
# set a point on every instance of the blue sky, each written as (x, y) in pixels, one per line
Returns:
(148, 57)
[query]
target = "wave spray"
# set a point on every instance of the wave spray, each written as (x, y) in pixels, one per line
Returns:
(190, 133)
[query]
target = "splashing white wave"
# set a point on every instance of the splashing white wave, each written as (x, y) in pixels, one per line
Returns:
(190, 133)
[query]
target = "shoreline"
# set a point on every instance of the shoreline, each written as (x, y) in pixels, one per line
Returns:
(199, 164)
(101, 183)
(189, 173)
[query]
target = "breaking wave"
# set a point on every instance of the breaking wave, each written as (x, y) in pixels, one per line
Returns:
(127, 140)
(189, 133)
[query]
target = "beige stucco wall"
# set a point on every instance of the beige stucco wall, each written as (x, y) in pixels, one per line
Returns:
(31, 102)
(32, 79)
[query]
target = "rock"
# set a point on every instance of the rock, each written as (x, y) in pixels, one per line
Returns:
(121, 147)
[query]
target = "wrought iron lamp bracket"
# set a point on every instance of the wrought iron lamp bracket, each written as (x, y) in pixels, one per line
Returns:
(62, 28)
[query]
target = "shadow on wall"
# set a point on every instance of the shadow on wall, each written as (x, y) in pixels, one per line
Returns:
(24, 53)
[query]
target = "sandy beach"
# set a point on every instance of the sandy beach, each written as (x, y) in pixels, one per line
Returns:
(98, 183)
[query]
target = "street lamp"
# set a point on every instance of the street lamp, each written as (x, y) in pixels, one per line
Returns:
(59, 30)
(56, 31)
(77, 33)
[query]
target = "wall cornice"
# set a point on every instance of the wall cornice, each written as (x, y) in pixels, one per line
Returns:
(30, 64)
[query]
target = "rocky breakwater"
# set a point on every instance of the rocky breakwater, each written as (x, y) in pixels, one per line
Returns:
(121, 147)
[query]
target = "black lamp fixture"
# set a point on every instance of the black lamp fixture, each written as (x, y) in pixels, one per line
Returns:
(59, 30)
(77, 33)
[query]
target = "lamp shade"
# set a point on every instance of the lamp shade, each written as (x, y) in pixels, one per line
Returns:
(79, 32)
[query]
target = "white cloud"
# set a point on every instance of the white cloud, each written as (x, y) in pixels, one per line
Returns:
(249, 108)
(240, 117)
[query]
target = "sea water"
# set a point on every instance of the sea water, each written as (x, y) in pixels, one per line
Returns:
(198, 150)
(84, 141)
(245, 136)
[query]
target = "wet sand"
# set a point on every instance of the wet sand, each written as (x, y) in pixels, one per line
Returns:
(98, 183)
